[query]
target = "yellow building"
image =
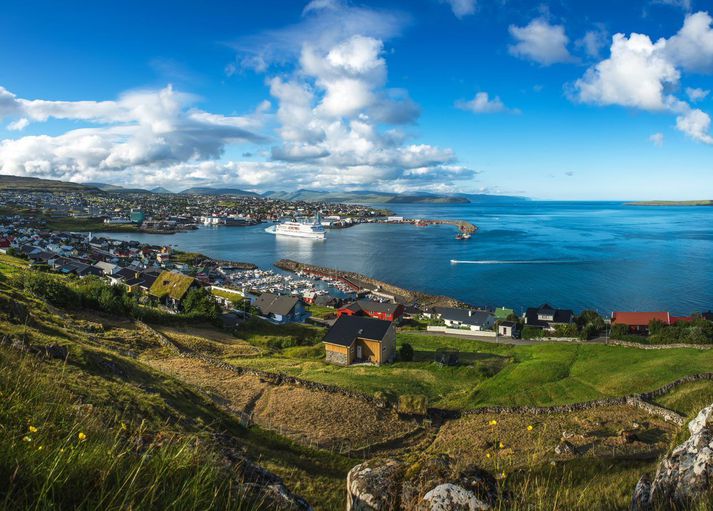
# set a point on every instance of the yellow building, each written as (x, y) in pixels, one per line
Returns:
(357, 339)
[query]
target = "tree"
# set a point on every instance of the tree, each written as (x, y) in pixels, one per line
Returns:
(198, 302)
(406, 353)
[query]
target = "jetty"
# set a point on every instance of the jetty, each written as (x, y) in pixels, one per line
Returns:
(363, 283)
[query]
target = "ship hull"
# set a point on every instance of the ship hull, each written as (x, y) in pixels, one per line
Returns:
(295, 234)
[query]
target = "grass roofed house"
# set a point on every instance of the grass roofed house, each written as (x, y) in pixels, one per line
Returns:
(171, 287)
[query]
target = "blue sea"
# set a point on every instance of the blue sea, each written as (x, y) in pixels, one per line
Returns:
(581, 255)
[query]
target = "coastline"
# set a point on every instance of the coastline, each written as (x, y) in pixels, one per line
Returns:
(421, 300)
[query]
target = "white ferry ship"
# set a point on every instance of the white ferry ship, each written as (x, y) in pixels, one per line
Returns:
(313, 230)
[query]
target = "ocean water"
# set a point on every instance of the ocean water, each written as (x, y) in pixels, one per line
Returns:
(600, 255)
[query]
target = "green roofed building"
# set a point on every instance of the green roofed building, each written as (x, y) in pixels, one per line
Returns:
(172, 287)
(503, 313)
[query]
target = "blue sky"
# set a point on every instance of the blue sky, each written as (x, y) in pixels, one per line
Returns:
(556, 100)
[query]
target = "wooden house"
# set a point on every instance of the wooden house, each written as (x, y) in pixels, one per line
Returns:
(359, 339)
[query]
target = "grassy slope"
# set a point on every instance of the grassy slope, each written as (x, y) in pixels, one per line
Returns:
(543, 374)
(117, 389)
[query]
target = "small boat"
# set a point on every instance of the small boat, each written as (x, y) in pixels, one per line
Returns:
(463, 234)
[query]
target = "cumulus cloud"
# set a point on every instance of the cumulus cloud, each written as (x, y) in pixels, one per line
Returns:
(643, 74)
(692, 47)
(696, 94)
(461, 8)
(334, 123)
(657, 139)
(140, 129)
(540, 42)
(324, 23)
(483, 104)
(636, 74)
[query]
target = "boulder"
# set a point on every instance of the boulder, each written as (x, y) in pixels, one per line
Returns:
(375, 485)
(432, 484)
(452, 497)
(685, 475)
(641, 500)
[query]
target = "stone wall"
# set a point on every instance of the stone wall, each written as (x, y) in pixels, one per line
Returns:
(642, 346)
(642, 400)
(334, 357)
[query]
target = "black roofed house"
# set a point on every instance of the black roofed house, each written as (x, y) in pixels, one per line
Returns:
(547, 317)
(360, 339)
(476, 320)
(281, 309)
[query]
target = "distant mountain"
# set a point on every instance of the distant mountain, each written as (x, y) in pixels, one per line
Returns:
(361, 196)
(487, 198)
(106, 187)
(206, 190)
(36, 184)
(160, 189)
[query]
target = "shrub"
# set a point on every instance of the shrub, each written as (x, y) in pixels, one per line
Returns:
(531, 332)
(406, 353)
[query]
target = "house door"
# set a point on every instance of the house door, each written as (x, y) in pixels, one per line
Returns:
(358, 352)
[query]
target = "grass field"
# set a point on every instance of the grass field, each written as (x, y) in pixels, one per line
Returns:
(172, 406)
(493, 374)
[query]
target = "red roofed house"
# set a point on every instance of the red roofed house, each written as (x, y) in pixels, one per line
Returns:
(639, 321)
(377, 310)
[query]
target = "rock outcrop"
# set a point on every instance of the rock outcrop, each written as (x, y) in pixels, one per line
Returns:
(434, 484)
(684, 476)
(375, 485)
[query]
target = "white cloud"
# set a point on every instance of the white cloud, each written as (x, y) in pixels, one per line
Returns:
(19, 124)
(482, 104)
(541, 42)
(335, 123)
(461, 8)
(140, 129)
(695, 94)
(643, 74)
(657, 139)
(635, 75)
(324, 24)
(696, 124)
(593, 42)
(692, 47)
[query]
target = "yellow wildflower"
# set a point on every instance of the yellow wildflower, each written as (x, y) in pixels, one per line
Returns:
(487, 455)
(503, 475)
(493, 422)
(530, 428)
(40, 447)
(82, 437)
(26, 439)
(501, 445)
(32, 429)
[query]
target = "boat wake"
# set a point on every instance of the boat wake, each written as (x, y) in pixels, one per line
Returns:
(505, 261)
